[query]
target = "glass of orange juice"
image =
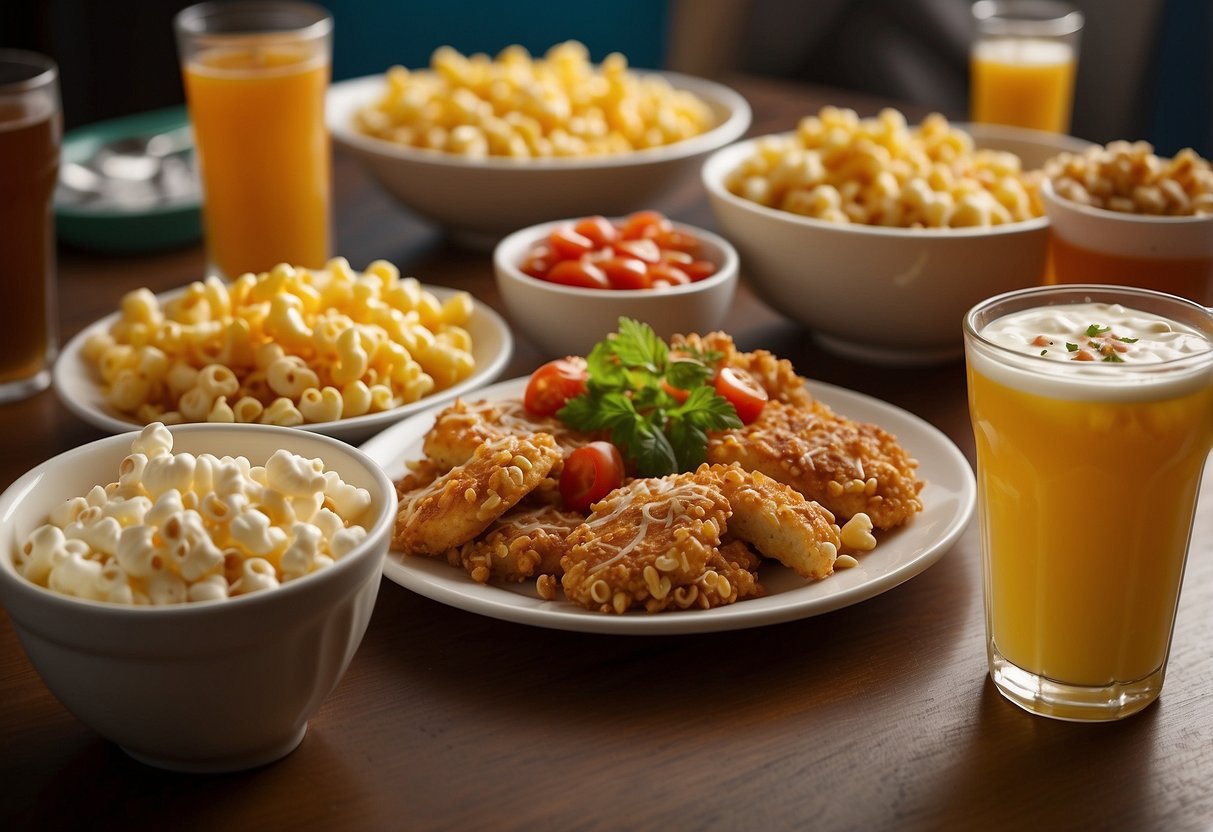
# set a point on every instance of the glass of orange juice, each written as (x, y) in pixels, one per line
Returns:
(1092, 409)
(1023, 62)
(255, 78)
(30, 131)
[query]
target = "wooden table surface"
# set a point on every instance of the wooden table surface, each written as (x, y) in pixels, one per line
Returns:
(879, 715)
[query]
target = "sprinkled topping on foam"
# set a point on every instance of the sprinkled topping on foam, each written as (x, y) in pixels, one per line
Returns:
(1104, 332)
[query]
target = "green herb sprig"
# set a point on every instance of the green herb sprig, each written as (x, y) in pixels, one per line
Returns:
(625, 395)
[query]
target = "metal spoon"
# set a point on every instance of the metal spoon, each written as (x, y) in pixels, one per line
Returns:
(134, 172)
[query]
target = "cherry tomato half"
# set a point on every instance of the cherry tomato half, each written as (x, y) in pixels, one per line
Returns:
(644, 224)
(667, 274)
(568, 244)
(747, 396)
(553, 384)
(627, 273)
(584, 273)
(590, 473)
(598, 230)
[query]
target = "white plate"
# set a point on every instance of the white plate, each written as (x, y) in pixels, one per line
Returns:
(78, 383)
(948, 499)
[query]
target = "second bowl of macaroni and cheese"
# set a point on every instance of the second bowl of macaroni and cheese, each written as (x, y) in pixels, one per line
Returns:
(332, 350)
(195, 594)
(879, 235)
(484, 146)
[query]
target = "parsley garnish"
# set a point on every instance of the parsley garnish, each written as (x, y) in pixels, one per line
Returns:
(1071, 347)
(1113, 358)
(1096, 329)
(625, 396)
(1126, 340)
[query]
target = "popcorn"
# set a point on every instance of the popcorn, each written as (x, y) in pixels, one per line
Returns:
(175, 528)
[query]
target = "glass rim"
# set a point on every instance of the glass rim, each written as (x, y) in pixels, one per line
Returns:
(1081, 293)
(1042, 18)
(315, 22)
(44, 70)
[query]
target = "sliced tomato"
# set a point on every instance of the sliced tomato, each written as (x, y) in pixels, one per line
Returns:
(672, 239)
(553, 384)
(626, 273)
(747, 396)
(667, 274)
(699, 269)
(590, 473)
(598, 230)
(645, 250)
(568, 244)
(538, 261)
(584, 273)
(645, 224)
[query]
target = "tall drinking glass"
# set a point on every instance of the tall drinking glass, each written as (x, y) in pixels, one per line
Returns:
(1023, 62)
(1092, 409)
(255, 77)
(31, 127)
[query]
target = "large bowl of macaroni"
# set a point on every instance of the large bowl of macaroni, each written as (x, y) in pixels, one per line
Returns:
(194, 594)
(878, 235)
(486, 145)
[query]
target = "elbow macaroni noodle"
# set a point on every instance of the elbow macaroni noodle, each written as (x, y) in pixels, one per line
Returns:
(176, 528)
(286, 347)
(881, 171)
(519, 107)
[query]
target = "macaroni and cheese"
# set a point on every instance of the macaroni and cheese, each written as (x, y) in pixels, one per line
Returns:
(175, 528)
(881, 171)
(285, 347)
(517, 106)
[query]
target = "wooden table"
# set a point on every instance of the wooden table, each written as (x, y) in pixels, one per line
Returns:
(879, 715)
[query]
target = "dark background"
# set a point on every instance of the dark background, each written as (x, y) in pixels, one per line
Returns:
(1146, 69)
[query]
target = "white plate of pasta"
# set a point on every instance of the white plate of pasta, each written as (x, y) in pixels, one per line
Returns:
(949, 497)
(79, 384)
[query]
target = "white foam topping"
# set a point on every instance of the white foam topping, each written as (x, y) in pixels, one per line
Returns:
(1096, 350)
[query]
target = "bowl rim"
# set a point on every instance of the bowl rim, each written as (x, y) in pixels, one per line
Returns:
(346, 96)
(505, 256)
(720, 162)
(12, 497)
(1051, 197)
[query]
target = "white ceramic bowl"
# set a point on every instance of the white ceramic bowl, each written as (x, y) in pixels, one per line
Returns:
(569, 320)
(887, 295)
(205, 686)
(1170, 254)
(487, 198)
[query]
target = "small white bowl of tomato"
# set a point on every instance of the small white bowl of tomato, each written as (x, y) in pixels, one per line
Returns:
(566, 284)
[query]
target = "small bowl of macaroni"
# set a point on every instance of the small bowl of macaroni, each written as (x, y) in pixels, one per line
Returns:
(677, 278)
(193, 594)
(1120, 214)
(877, 234)
(485, 145)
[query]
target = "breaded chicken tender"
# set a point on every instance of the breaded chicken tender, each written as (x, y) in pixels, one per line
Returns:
(522, 544)
(777, 520)
(459, 505)
(462, 427)
(847, 466)
(648, 544)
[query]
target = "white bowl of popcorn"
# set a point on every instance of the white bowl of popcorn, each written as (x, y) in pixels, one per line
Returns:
(199, 610)
(882, 270)
(466, 145)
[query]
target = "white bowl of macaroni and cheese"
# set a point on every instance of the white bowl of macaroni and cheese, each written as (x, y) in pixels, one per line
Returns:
(194, 594)
(472, 145)
(875, 240)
